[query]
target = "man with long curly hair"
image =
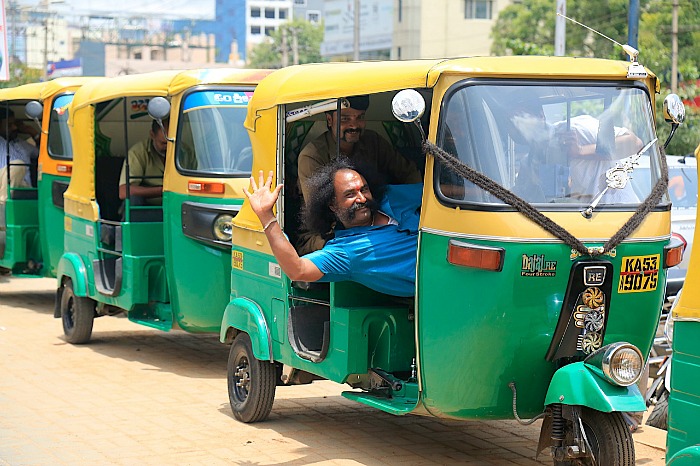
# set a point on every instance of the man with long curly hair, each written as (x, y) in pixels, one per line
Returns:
(375, 238)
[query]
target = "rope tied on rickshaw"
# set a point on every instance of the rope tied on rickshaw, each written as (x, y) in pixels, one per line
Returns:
(487, 184)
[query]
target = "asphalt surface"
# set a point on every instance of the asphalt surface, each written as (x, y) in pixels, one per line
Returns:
(138, 396)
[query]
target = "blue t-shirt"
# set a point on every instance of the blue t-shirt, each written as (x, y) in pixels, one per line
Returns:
(381, 257)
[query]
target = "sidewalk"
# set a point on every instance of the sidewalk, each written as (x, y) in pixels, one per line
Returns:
(138, 396)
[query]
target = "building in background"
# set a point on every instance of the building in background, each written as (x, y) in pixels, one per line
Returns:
(444, 28)
(308, 10)
(376, 25)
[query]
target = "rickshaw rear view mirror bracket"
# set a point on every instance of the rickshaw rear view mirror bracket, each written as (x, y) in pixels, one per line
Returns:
(674, 113)
(35, 111)
(408, 106)
(159, 109)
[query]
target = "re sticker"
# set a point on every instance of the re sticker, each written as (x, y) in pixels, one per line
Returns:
(237, 260)
(639, 273)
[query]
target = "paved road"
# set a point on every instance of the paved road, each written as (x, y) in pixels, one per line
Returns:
(136, 396)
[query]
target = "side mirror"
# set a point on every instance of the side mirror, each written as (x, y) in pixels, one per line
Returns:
(159, 108)
(674, 113)
(34, 110)
(408, 105)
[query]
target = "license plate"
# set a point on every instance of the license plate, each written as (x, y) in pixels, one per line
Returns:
(639, 273)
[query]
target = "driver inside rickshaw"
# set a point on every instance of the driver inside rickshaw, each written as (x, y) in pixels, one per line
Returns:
(375, 229)
(146, 168)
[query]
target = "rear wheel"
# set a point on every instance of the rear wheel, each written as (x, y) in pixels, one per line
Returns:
(659, 415)
(77, 314)
(251, 382)
(609, 438)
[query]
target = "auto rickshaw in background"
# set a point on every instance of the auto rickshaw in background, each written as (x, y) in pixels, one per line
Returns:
(163, 265)
(539, 278)
(31, 194)
(683, 330)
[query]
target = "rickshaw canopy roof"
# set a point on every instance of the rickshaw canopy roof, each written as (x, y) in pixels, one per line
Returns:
(42, 90)
(162, 83)
(333, 80)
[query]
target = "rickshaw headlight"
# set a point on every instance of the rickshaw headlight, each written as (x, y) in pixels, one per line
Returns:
(620, 363)
(223, 228)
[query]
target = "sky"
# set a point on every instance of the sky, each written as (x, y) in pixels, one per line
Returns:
(166, 9)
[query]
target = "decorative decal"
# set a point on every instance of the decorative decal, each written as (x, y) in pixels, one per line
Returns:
(89, 230)
(537, 266)
(274, 270)
(575, 254)
(639, 274)
(590, 318)
(237, 260)
(594, 275)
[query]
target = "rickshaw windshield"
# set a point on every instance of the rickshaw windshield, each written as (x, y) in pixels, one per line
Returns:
(60, 146)
(211, 138)
(548, 143)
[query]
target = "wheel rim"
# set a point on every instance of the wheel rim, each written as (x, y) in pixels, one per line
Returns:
(69, 316)
(241, 379)
(593, 443)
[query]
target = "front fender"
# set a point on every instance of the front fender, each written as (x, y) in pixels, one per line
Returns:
(575, 384)
(689, 456)
(71, 265)
(247, 316)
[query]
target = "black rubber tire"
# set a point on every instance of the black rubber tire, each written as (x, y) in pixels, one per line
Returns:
(609, 438)
(251, 382)
(659, 415)
(77, 315)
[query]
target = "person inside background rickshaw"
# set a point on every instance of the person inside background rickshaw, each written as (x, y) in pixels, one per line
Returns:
(21, 152)
(375, 229)
(146, 168)
(363, 147)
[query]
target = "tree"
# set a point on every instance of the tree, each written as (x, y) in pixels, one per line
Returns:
(21, 74)
(527, 28)
(271, 53)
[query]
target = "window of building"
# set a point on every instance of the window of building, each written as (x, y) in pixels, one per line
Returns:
(255, 12)
(478, 9)
(313, 16)
(282, 13)
(255, 30)
(138, 56)
(269, 30)
(270, 13)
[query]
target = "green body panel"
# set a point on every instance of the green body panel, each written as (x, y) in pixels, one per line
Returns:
(201, 271)
(22, 241)
(367, 329)
(687, 457)
(144, 281)
(480, 330)
(684, 401)
(575, 384)
(51, 220)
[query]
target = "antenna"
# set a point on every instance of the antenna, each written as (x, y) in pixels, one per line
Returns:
(635, 70)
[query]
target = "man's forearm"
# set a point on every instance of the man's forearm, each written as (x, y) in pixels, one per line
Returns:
(295, 267)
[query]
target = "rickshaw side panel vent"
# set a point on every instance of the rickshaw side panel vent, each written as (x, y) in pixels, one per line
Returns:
(584, 313)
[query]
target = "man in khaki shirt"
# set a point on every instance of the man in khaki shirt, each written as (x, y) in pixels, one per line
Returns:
(363, 147)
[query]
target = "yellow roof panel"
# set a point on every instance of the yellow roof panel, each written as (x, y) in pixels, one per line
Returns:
(30, 91)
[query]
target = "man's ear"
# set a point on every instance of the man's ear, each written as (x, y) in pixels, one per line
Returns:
(329, 119)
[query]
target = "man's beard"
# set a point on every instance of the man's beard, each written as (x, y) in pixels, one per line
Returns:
(346, 216)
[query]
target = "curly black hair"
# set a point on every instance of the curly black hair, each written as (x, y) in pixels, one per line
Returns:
(317, 216)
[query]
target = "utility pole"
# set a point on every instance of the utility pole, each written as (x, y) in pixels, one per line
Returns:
(560, 30)
(356, 31)
(295, 46)
(674, 48)
(633, 24)
(285, 48)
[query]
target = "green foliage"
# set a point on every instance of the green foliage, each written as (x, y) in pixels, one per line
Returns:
(527, 28)
(269, 53)
(21, 74)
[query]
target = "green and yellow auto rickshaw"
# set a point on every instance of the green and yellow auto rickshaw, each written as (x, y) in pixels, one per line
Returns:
(539, 278)
(164, 265)
(31, 202)
(683, 329)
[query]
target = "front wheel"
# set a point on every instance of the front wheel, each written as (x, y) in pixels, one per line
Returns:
(77, 314)
(609, 438)
(251, 382)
